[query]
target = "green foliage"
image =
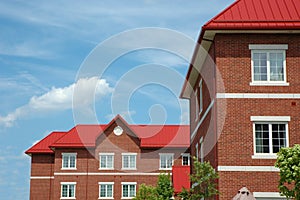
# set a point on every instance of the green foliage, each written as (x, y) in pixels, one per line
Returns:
(288, 162)
(203, 182)
(164, 187)
(146, 192)
(162, 191)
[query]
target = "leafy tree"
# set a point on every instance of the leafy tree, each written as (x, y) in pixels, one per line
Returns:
(162, 191)
(288, 162)
(164, 187)
(146, 192)
(203, 182)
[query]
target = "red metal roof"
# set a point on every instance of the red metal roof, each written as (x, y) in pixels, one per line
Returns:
(155, 136)
(181, 178)
(43, 145)
(257, 14)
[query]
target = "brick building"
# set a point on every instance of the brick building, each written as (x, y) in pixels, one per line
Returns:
(106, 161)
(244, 91)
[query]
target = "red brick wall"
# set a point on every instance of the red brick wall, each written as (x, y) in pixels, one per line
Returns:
(233, 59)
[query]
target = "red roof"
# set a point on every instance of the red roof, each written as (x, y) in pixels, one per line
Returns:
(181, 178)
(43, 145)
(257, 14)
(155, 136)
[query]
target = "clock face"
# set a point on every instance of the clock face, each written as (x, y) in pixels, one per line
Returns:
(118, 130)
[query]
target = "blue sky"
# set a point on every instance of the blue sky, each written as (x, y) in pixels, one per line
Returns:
(43, 45)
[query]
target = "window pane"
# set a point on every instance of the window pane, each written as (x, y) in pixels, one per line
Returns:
(276, 67)
(110, 161)
(185, 160)
(169, 161)
(125, 190)
(260, 66)
(64, 191)
(125, 162)
(132, 161)
(262, 138)
(163, 163)
(102, 191)
(72, 161)
(278, 136)
(109, 191)
(132, 190)
(103, 161)
(65, 161)
(71, 190)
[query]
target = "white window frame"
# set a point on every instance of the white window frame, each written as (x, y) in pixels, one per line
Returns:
(106, 154)
(64, 155)
(106, 183)
(268, 49)
(160, 158)
(128, 184)
(201, 150)
(129, 160)
(197, 151)
(185, 155)
(200, 96)
(269, 120)
(68, 184)
(196, 105)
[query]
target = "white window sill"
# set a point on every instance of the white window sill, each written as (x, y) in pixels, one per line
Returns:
(100, 198)
(128, 169)
(68, 168)
(127, 197)
(266, 156)
(106, 168)
(67, 197)
(169, 169)
(269, 84)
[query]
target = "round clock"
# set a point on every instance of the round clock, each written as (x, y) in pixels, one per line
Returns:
(118, 130)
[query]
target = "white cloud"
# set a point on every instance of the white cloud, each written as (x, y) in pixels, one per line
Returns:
(127, 115)
(60, 99)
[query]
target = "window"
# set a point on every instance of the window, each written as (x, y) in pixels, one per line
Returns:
(128, 190)
(68, 190)
(197, 151)
(200, 97)
(166, 161)
(106, 190)
(268, 64)
(185, 159)
(270, 136)
(69, 160)
(129, 160)
(201, 150)
(106, 160)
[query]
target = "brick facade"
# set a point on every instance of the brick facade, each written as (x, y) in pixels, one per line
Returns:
(47, 173)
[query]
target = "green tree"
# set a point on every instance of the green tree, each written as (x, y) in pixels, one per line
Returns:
(146, 192)
(164, 187)
(203, 182)
(162, 191)
(288, 162)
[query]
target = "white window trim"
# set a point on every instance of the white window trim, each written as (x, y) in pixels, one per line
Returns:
(269, 120)
(67, 183)
(106, 183)
(267, 195)
(62, 161)
(129, 154)
(166, 154)
(185, 155)
(197, 151)
(200, 97)
(128, 183)
(196, 105)
(201, 150)
(269, 48)
(113, 160)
